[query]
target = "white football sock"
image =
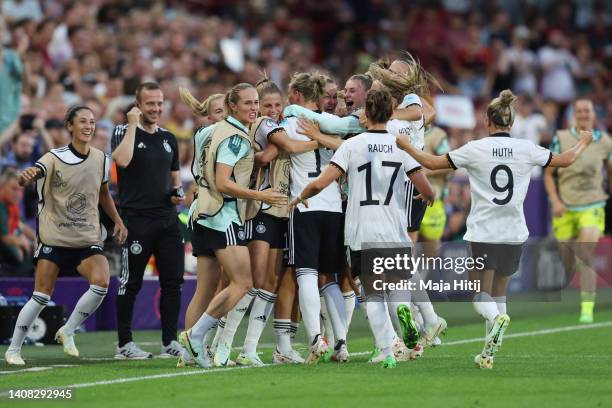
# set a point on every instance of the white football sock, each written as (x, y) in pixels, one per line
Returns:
(501, 303)
(349, 307)
(378, 317)
(335, 308)
(87, 304)
(282, 330)
(260, 312)
(485, 306)
(310, 304)
(202, 326)
(421, 299)
(325, 322)
(294, 329)
(209, 337)
(234, 317)
(218, 332)
(29, 312)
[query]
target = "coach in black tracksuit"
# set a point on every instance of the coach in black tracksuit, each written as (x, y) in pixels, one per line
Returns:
(149, 189)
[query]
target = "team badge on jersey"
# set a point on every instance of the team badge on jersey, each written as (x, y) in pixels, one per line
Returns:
(135, 248)
(167, 146)
(241, 234)
(270, 123)
(260, 228)
(46, 249)
(58, 180)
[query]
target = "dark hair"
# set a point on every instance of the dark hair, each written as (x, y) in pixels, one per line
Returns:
(72, 113)
(149, 86)
(378, 106)
(365, 80)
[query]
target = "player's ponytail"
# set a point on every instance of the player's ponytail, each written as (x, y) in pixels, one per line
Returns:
(197, 107)
(266, 86)
(501, 110)
(232, 96)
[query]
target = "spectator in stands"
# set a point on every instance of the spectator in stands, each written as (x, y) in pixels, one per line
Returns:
(16, 238)
(11, 78)
(523, 62)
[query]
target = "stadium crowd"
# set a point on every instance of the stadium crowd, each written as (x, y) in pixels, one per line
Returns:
(56, 53)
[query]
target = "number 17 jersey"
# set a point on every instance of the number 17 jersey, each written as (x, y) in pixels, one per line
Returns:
(499, 168)
(376, 169)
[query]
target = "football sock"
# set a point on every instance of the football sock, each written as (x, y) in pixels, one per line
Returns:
(202, 326)
(310, 304)
(282, 330)
(349, 307)
(234, 317)
(260, 312)
(87, 304)
(335, 309)
(29, 312)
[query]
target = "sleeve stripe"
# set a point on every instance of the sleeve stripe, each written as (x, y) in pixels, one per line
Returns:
(549, 159)
(42, 168)
(336, 165)
(273, 131)
(450, 161)
(418, 168)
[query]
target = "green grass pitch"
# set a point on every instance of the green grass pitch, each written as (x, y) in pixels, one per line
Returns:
(547, 360)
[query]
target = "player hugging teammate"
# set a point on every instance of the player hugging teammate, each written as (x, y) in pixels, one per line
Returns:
(307, 183)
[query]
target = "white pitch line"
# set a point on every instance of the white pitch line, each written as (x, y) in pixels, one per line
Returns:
(218, 370)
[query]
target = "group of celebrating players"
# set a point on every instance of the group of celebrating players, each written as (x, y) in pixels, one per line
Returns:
(291, 202)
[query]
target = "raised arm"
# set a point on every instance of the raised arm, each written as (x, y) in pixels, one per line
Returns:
(331, 124)
(123, 153)
(311, 129)
(569, 156)
(291, 146)
(426, 160)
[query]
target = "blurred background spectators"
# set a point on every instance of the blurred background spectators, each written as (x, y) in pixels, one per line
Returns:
(55, 53)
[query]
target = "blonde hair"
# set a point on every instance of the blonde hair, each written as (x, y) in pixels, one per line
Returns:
(415, 79)
(310, 84)
(265, 86)
(232, 96)
(501, 110)
(197, 107)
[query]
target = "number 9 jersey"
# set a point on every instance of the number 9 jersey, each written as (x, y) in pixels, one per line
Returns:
(376, 169)
(499, 169)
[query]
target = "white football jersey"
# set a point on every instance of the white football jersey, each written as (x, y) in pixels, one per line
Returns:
(499, 168)
(376, 169)
(262, 134)
(305, 167)
(415, 130)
